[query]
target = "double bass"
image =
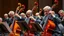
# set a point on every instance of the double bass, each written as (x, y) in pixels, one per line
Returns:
(48, 27)
(15, 27)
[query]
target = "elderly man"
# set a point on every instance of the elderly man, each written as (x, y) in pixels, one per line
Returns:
(61, 13)
(14, 25)
(23, 15)
(28, 16)
(30, 19)
(20, 17)
(11, 14)
(48, 11)
(6, 18)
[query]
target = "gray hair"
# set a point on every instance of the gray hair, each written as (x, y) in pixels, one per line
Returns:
(29, 11)
(11, 12)
(47, 7)
(5, 14)
(61, 11)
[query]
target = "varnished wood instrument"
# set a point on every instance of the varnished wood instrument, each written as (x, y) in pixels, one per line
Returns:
(15, 27)
(48, 27)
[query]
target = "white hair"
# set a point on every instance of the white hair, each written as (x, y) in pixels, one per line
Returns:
(5, 14)
(61, 11)
(37, 14)
(0, 19)
(11, 12)
(29, 11)
(47, 7)
(22, 14)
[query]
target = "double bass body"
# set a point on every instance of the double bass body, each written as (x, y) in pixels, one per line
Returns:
(16, 30)
(50, 26)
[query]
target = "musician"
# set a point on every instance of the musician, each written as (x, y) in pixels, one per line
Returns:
(20, 17)
(59, 26)
(11, 14)
(6, 18)
(23, 15)
(61, 13)
(14, 25)
(28, 15)
(31, 19)
(48, 10)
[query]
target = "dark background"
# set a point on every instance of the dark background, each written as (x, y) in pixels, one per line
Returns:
(7, 5)
(25, 3)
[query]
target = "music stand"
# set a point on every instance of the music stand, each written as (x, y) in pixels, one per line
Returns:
(39, 29)
(33, 29)
(3, 29)
(23, 25)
